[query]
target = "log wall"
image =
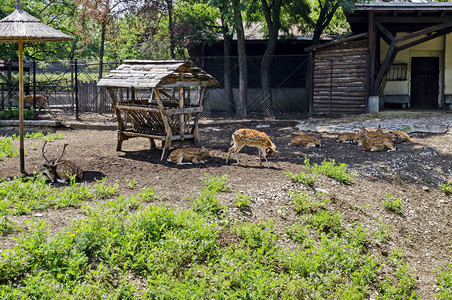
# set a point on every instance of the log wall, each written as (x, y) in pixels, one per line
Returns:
(340, 79)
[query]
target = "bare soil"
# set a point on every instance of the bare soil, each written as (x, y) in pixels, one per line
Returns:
(423, 231)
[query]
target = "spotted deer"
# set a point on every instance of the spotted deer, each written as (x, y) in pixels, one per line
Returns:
(308, 141)
(400, 136)
(252, 138)
(375, 143)
(346, 137)
(41, 101)
(189, 156)
(60, 170)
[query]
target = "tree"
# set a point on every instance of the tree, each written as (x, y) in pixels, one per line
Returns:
(231, 12)
(326, 10)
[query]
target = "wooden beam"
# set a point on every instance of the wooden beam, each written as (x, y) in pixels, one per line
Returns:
(425, 39)
(372, 48)
(386, 34)
(387, 62)
(165, 123)
(181, 105)
(424, 31)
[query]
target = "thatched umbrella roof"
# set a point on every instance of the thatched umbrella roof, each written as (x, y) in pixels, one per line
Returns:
(22, 27)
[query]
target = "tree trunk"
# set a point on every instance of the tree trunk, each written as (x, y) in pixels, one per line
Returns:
(243, 67)
(227, 41)
(273, 24)
(101, 66)
(169, 4)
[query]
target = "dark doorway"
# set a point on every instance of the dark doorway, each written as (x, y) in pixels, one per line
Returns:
(424, 82)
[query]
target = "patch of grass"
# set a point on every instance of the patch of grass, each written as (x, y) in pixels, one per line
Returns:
(7, 148)
(216, 184)
(131, 183)
(303, 203)
(444, 282)
(243, 201)
(336, 171)
(13, 113)
(391, 204)
(305, 176)
(122, 250)
(446, 187)
(382, 232)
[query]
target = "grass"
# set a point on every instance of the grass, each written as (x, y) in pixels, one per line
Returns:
(13, 113)
(446, 187)
(7, 148)
(392, 204)
(137, 248)
(310, 173)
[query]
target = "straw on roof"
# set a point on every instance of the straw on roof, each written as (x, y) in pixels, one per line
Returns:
(154, 73)
(21, 25)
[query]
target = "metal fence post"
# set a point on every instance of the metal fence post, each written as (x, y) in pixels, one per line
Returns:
(76, 89)
(34, 84)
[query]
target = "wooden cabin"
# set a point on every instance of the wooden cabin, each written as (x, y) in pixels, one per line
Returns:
(162, 100)
(408, 64)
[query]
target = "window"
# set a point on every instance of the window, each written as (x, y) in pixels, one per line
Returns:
(397, 72)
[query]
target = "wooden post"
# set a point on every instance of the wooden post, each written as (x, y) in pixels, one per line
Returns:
(121, 126)
(195, 122)
(169, 134)
(181, 105)
(21, 106)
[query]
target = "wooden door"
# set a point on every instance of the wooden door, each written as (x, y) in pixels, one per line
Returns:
(424, 82)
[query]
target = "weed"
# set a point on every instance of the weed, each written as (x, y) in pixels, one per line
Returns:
(243, 201)
(446, 187)
(382, 232)
(303, 203)
(7, 148)
(326, 221)
(216, 184)
(394, 205)
(131, 183)
(305, 176)
(335, 171)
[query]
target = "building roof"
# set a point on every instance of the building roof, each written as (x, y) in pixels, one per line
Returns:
(403, 17)
(157, 73)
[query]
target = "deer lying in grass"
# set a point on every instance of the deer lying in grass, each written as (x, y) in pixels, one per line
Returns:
(60, 170)
(376, 142)
(305, 141)
(251, 138)
(189, 156)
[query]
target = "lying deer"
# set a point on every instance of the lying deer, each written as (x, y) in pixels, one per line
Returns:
(189, 156)
(346, 137)
(305, 141)
(60, 170)
(251, 138)
(375, 142)
(400, 136)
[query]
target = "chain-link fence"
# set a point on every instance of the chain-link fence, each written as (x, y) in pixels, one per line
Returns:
(288, 80)
(70, 86)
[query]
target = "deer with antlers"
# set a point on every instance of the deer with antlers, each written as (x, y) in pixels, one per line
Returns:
(58, 169)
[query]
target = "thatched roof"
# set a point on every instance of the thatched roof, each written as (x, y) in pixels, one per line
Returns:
(21, 25)
(162, 73)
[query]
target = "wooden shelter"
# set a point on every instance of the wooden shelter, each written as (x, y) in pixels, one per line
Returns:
(163, 103)
(20, 27)
(409, 61)
(340, 76)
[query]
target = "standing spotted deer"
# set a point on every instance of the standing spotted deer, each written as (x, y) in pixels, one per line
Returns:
(251, 138)
(60, 170)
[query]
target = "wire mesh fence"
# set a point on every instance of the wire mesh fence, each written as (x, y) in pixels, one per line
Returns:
(70, 87)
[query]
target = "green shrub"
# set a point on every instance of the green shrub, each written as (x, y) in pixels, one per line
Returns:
(303, 203)
(13, 113)
(337, 171)
(243, 201)
(391, 204)
(446, 187)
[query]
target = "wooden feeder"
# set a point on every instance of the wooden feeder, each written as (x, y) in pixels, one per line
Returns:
(161, 99)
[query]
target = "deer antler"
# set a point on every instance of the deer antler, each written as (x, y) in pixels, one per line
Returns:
(43, 146)
(64, 151)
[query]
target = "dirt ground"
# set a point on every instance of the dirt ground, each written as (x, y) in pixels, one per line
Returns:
(423, 231)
